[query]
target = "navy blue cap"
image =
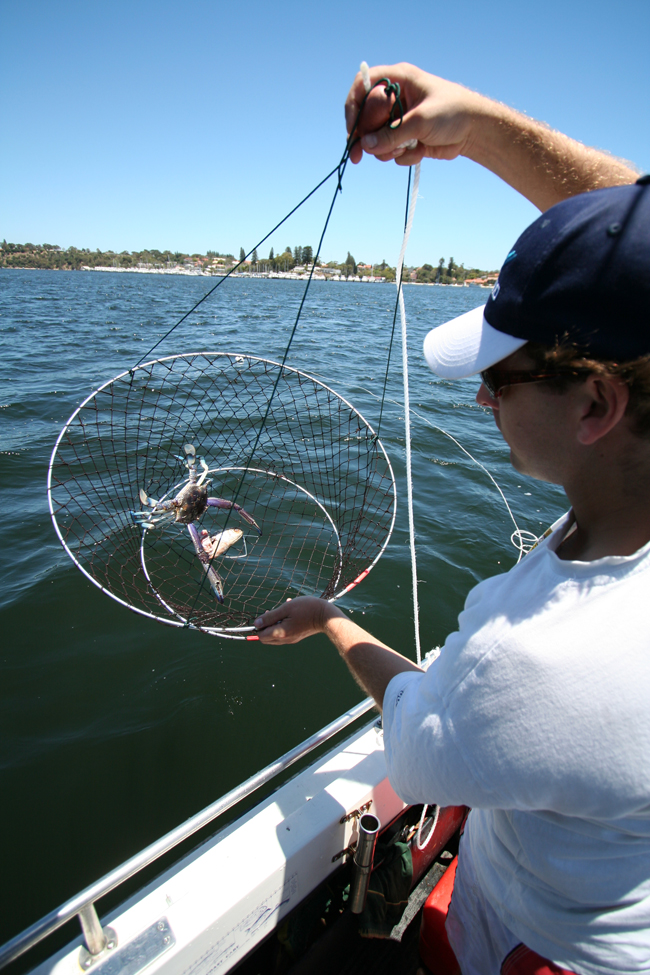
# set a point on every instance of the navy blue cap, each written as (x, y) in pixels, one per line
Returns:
(579, 273)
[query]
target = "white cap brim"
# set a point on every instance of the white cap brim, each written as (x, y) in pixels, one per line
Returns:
(467, 345)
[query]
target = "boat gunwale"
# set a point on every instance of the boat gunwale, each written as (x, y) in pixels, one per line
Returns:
(51, 922)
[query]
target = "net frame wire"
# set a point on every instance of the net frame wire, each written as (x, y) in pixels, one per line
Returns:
(246, 631)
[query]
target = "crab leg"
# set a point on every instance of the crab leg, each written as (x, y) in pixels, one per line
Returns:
(213, 576)
(220, 503)
(159, 511)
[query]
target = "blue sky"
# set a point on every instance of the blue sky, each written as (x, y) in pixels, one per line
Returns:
(197, 125)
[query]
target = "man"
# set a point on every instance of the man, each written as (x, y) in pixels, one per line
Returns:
(536, 712)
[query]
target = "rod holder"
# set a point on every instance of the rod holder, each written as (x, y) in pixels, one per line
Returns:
(369, 827)
(97, 939)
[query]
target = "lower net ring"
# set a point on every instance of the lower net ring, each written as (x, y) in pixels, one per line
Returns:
(313, 476)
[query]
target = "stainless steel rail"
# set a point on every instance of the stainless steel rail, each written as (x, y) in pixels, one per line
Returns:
(41, 929)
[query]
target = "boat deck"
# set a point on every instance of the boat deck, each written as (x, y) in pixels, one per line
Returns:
(340, 950)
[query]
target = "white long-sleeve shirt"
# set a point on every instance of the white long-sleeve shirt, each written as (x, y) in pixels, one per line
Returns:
(537, 715)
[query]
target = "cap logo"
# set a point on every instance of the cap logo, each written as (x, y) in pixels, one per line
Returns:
(495, 290)
(511, 256)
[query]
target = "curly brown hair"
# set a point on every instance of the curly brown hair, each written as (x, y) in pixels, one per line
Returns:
(574, 365)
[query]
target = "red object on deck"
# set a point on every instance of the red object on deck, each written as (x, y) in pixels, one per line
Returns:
(523, 961)
(437, 954)
(450, 820)
(435, 950)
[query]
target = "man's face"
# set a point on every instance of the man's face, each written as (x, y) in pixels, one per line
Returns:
(536, 421)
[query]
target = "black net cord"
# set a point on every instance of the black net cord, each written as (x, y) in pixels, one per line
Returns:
(341, 170)
(390, 89)
(266, 406)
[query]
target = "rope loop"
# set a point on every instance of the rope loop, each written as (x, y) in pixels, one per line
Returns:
(524, 541)
(418, 840)
(390, 88)
(393, 88)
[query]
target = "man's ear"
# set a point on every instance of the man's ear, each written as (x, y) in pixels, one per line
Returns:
(603, 406)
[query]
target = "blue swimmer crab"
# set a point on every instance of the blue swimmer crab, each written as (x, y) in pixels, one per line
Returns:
(187, 507)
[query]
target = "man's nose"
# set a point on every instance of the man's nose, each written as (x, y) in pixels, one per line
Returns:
(483, 398)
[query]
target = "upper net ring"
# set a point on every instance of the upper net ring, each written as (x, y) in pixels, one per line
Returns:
(318, 484)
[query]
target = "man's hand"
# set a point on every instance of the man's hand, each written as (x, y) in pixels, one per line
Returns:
(437, 113)
(295, 620)
(449, 120)
(372, 664)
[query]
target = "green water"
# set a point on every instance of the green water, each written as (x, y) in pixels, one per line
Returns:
(116, 728)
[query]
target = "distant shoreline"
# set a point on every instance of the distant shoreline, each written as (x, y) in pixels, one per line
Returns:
(267, 275)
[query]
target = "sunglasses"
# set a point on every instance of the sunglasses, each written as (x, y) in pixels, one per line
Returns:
(495, 379)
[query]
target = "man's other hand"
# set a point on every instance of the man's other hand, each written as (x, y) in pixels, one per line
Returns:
(294, 620)
(437, 114)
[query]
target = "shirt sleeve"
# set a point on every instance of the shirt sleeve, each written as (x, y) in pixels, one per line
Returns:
(424, 760)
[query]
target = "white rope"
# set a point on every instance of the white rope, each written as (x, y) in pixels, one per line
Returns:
(365, 75)
(407, 410)
(522, 540)
(418, 839)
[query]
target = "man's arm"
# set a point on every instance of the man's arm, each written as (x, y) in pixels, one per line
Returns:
(372, 664)
(448, 120)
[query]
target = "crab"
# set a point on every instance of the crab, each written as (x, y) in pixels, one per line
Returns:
(187, 507)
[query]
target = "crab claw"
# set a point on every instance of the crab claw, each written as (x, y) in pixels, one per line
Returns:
(202, 479)
(145, 498)
(221, 503)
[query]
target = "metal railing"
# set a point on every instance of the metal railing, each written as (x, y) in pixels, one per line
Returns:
(83, 903)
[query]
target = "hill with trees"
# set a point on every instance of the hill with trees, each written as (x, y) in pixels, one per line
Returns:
(297, 259)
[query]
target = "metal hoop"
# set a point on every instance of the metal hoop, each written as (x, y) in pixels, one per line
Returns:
(320, 482)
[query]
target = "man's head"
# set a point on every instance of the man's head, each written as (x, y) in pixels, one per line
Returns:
(579, 276)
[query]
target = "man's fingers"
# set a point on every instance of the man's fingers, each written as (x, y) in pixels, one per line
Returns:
(271, 634)
(291, 622)
(356, 153)
(352, 102)
(386, 139)
(395, 154)
(411, 156)
(271, 616)
(270, 630)
(279, 633)
(375, 105)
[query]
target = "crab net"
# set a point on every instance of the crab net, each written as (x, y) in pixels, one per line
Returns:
(304, 465)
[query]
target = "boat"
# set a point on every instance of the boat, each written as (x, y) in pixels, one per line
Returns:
(279, 889)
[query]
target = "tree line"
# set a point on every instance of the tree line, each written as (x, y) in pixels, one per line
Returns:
(448, 272)
(73, 258)
(51, 256)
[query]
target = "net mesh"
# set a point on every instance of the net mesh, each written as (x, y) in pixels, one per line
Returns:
(300, 460)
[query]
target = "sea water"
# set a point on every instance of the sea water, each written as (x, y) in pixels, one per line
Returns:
(116, 728)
